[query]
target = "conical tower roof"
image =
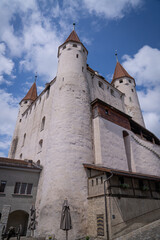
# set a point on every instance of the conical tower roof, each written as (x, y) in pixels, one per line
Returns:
(32, 93)
(73, 37)
(120, 72)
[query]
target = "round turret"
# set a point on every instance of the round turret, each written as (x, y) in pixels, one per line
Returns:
(126, 84)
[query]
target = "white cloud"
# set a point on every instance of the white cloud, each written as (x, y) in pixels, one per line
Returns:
(111, 9)
(9, 104)
(6, 64)
(144, 67)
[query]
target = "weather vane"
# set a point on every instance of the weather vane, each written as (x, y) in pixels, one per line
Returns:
(74, 26)
(35, 77)
(116, 54)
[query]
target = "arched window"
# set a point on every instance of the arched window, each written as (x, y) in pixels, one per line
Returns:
(40, 145)
(24, 139)
(126, 140)
(43, 123)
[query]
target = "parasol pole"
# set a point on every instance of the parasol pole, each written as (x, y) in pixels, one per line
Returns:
(66, 234)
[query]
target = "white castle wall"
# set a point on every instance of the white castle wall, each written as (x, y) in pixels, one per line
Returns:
(131, 102)
(30, 125)
(106, 93)
(110, 149)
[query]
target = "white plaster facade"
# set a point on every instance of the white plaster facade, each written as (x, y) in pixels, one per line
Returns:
(70, 137)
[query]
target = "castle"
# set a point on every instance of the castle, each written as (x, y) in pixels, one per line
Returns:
(90, 139)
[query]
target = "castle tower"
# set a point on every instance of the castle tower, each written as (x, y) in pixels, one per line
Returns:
(29, 98)
(69, 144)
(24, 104)
(126, 84)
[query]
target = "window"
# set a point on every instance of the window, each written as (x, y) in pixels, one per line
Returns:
(74, 45)
(29, 188)
(2, 186)
(64, 47)
(82, 69)
(24, 139)
(40, 145)
(25, 102)
(100, 84)
(141, 184)
(43, 123)
(17, 187)
(20, 156)
(121, 180)
(130, 81)
(92, 182)
(48, 91)
(83, 50)
(76, 55)
(132, 90)
(120, 81)
(157, 186)
(106, 112)
(130, 99)
(101, 180)
(96, 181)
(112, 92)
(23, 188)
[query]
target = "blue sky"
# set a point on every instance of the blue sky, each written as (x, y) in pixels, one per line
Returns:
(32, 30)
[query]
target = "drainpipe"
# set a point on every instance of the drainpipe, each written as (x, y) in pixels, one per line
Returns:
(106, 212)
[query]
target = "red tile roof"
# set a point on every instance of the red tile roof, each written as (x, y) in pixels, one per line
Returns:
(120, 72)
(73, 37)
(120, 172)
(9, 162)
(32, 93)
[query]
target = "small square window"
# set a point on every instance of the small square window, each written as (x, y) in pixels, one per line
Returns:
(120, 81)
(132, 90)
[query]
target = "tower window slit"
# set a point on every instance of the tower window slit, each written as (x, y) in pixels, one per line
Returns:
(76, 55)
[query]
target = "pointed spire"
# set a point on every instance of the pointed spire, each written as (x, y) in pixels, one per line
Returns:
(116, 54)
(32, 93)
(120, 72)
(35, 77)
(74, 26)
